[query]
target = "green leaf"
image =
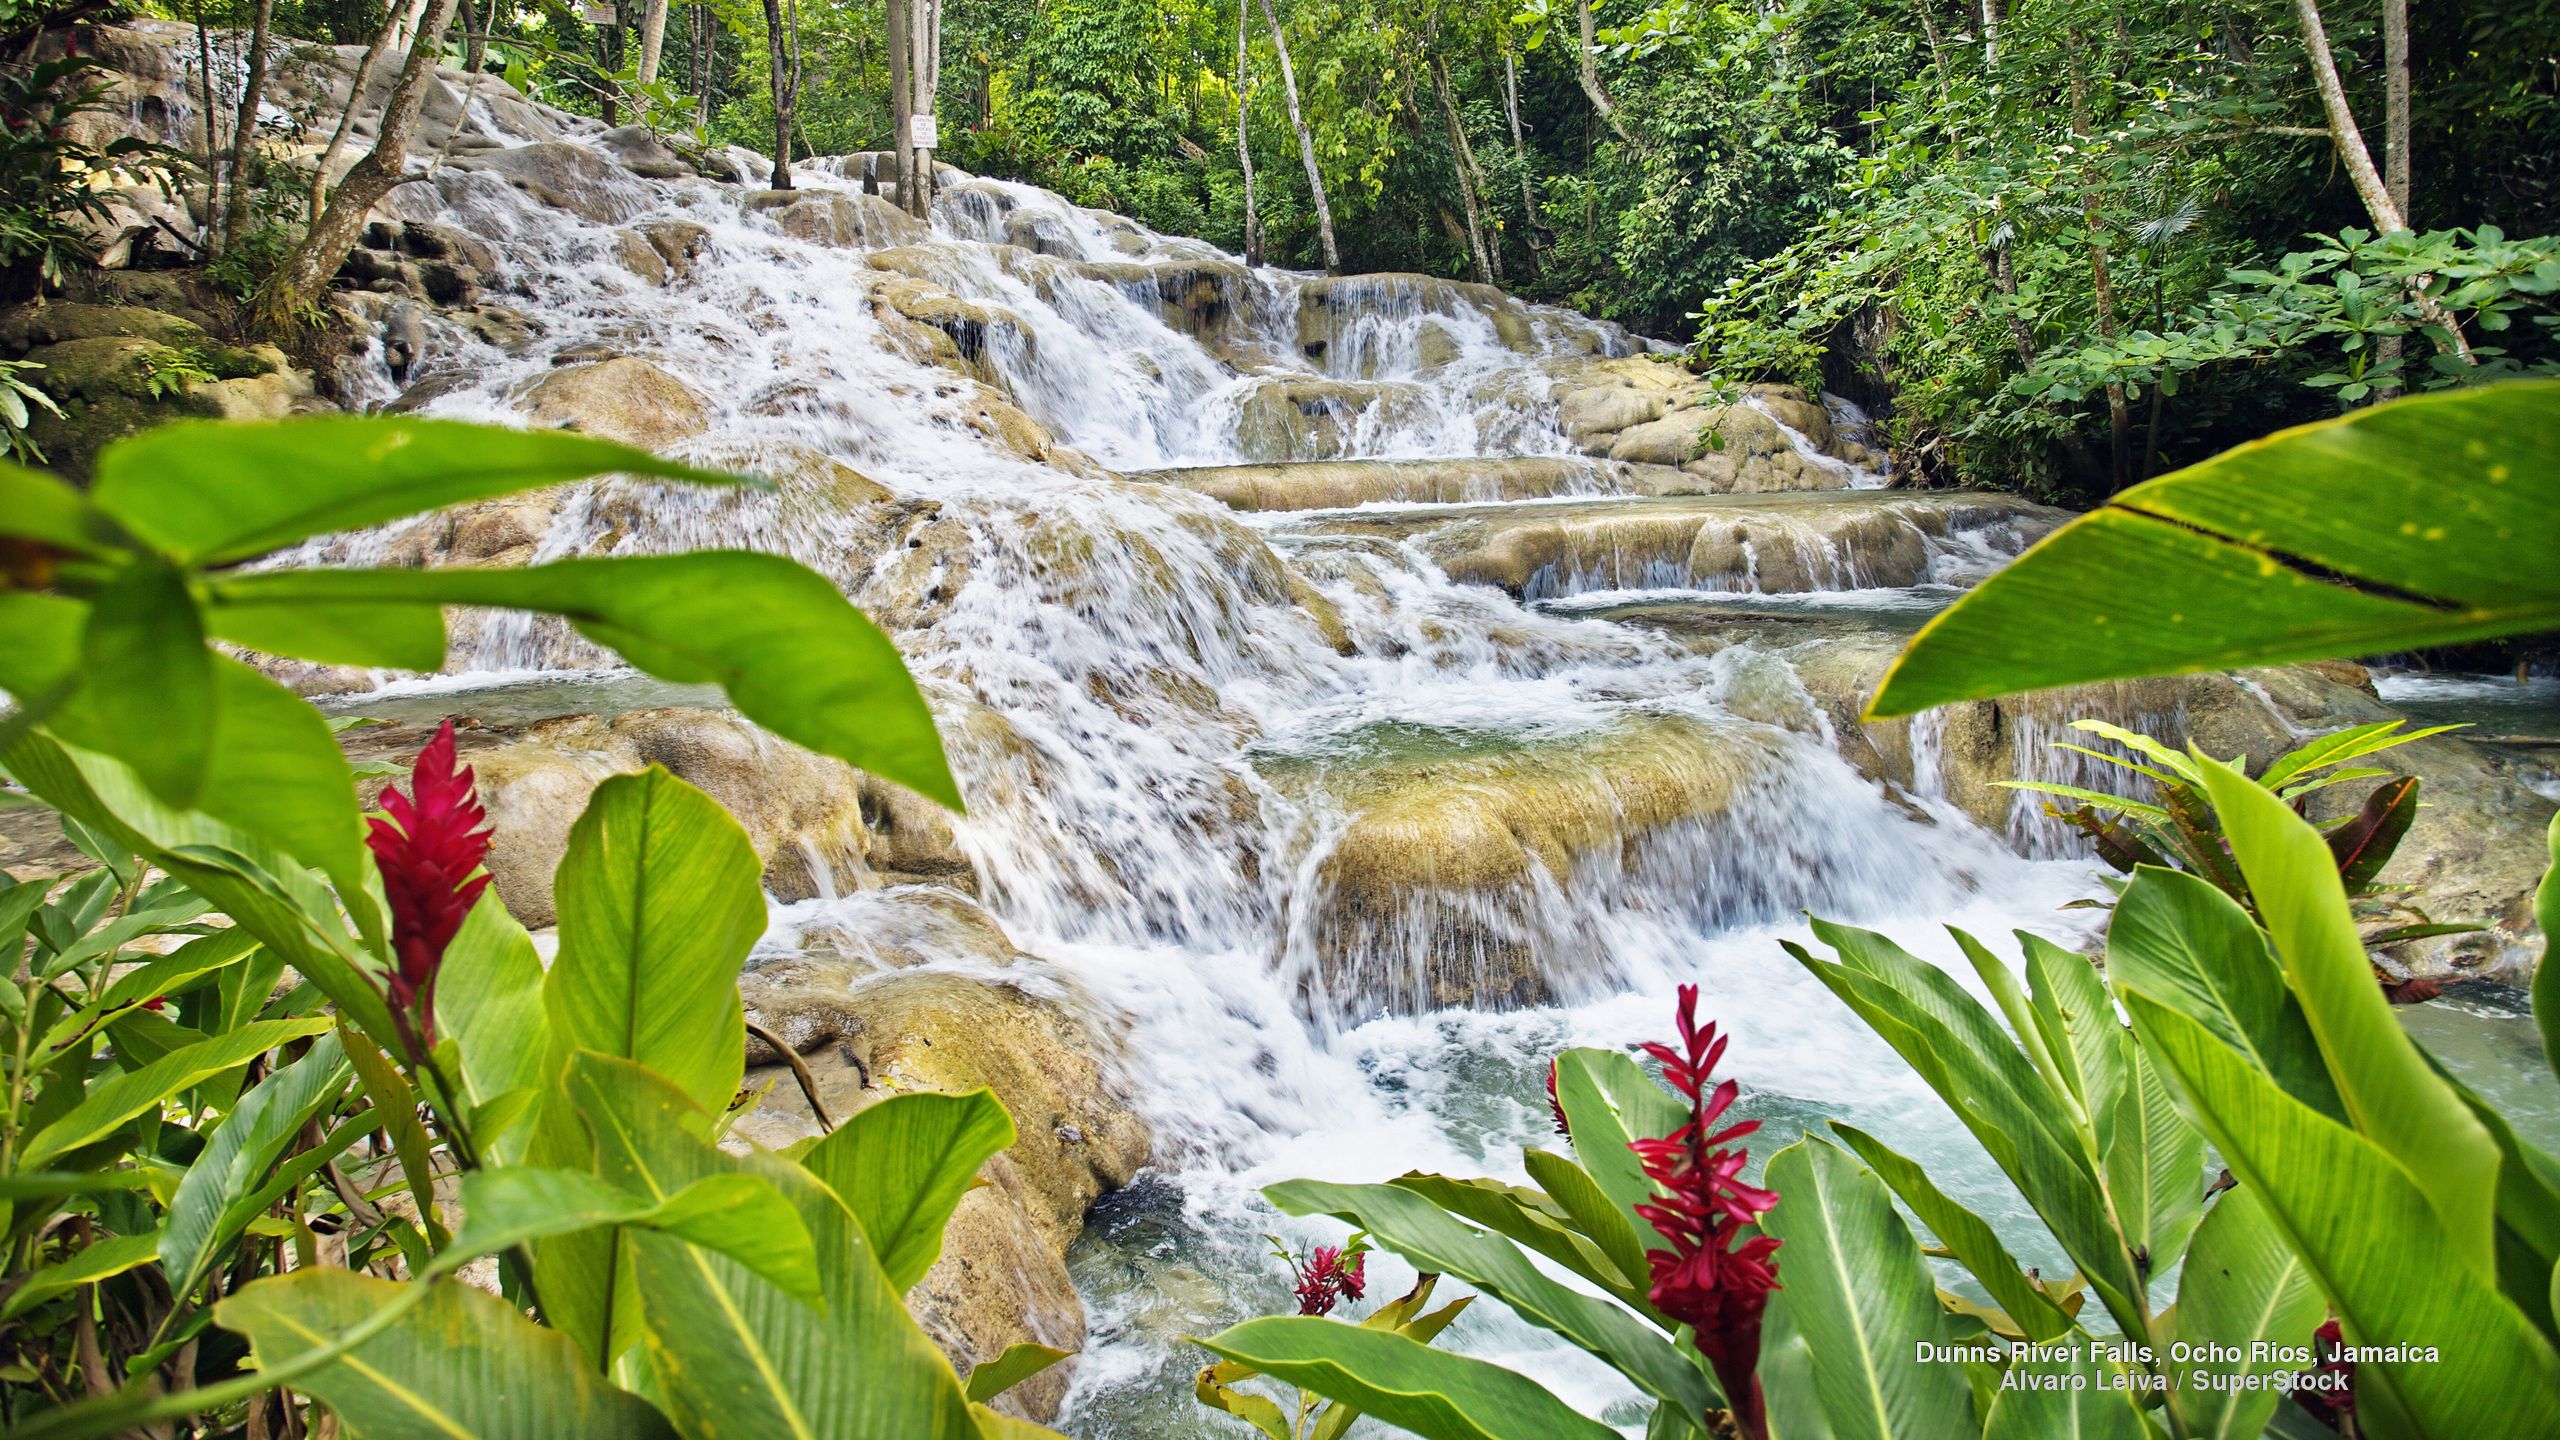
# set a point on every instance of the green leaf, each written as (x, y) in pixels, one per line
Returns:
(737, 1215)
(208, 494)
(2419, 522)
(790, 650)
(1853, 1283)
(2363, 845)
(1215, 1388)
(1603, 1223)
(389, 637)
(113, 1101)
(2192, 948)
(901, 1166)
(1437, 1243)
(144, 982)
(1966, 1235)
(2155, 1168)
(396, 1101)
(2077, 1397)
(2242, 1287)
(460, 1363)
(1609, 1103)
(2391, 1094)
(660, 899)
(36, 506)
(1017, 1364)
(733, 1354)
(489, 1000)
(98, 1260)
(206, 1214)
(2374, 1243)
(147, 695)
(1533, 1219)
(1432, 1393)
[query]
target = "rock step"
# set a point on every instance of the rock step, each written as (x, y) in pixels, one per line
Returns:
(1769, 543)
(1345, 484)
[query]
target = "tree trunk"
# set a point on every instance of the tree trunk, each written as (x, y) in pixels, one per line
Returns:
(1990, 34)
(1462, 162)
(785, 88)
(2101, 280)
(1244, 146)
(924, 77)
(1533, 224)
(298, 282)
(346, 120)
(1306, 144)
(475, 38)
(705, 41)
(1589, 56)
(213, 151)
(653, 39)
(902, 95)
(244, 130)
(2388, 350)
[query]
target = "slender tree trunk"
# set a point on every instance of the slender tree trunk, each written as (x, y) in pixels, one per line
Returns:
(1460, 162)
(785, 87)
(902, 95)
(2101, 278)
(244, 130)
(213, 151)
(1306, 143)
(705, 41)
(1244, 145)
(1937, 49)
(1589, 58)
(924, 77)
(1533, 224)
(373, 53)
(305, 273)
(475, 38)
(1990, 34)
(2389, 349)
(653, 39)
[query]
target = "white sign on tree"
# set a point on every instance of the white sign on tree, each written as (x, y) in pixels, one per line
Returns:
(921, 133)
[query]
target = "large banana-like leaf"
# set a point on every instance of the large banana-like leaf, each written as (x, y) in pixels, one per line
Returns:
(1534, 1219)
(2546, 977)
(732, 1353)
(2187, 945)
(2390, 1092)
(2076, 1396)
(1996, 1093)
(1438, 1243)
(1604, 1224)
(1609, 1102)
(660, 899)
(112, 1102)
(1407, 1384)
(462, 1364)
(903, 1164)
(1853, 1283)
(1965, 1235)
(2374, 1244)
(2425, 521)
(735, 1214)
(2155, 1165)
(2242, 1287)
(489, 1000)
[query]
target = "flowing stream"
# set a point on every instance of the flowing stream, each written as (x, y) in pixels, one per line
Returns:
(1167, 752)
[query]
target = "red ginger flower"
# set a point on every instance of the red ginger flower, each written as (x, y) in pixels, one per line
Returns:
(1329, 1276)
(428, 847)
(1555, 1106)
(1718, 1273)
(2328, 1388)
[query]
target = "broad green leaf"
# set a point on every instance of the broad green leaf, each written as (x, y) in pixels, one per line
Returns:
(113, 1101)
(2078, 1396)
(2078, 1023)
(2155, 1167)
(461, 1364)
(147, 695)
(2374, 1244)
(2419, 522)
(1853, 1283)
(2192, 948)
(206, 1216)
(790, 650)
(489, 1000)
(389, 637)
(1966, 1235)
(2391, 1094)
(659, 899)
(396, 1100)
(1017, 1364)
(732, 1354)
(1432, 1393)
(144, 982)
(1437, 1243)
(2528, 1209)
(901, 1166)
(1531, 1218)
(1215, 1388)
(1609, 1103)
(98, 1260)
(210, 495)
(738, 1215)
(1600, 1222)
(993, 1425)
(2242, 1287)
(36, 506)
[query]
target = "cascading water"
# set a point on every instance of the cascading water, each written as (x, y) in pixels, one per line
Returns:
(1223, 774)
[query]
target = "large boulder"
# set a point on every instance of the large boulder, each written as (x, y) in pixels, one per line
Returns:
(1293, 419)
(1341, 484)
(624, 398)
(827, 217)
(116, 370)
(1002, 1279)
(565, 175)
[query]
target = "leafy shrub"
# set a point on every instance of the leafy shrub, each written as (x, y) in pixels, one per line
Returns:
(50, 181)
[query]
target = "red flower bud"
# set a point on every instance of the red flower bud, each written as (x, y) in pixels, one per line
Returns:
(428, 845)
